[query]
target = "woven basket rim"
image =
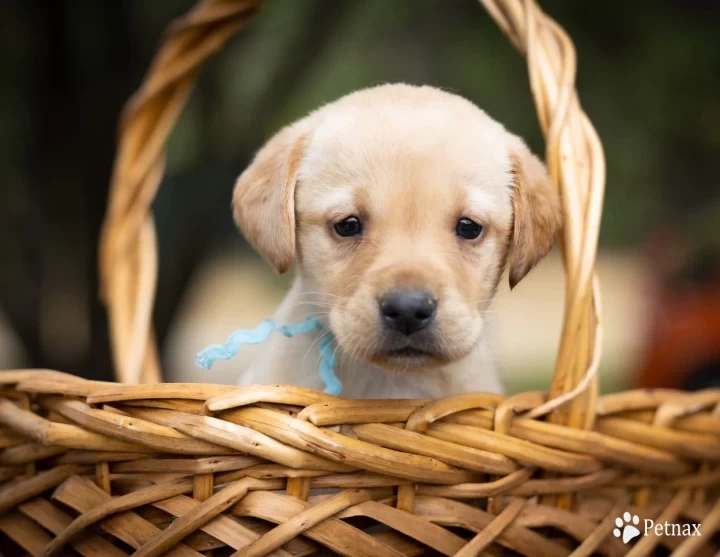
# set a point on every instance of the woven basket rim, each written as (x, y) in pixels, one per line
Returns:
(411, 464)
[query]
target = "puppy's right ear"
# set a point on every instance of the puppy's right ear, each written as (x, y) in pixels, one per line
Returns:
(263, 202)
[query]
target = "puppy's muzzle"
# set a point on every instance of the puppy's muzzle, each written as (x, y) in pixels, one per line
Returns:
(407, 311)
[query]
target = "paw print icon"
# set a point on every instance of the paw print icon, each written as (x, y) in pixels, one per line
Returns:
(627, 527)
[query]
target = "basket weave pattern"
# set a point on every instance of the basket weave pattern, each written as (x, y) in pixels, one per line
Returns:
(152, 468)
(190, 468)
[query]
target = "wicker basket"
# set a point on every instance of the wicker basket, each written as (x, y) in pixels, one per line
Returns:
(100, 469)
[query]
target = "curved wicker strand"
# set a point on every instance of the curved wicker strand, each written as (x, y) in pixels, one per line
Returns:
(576, 164)
(128, 247)
(493, 530)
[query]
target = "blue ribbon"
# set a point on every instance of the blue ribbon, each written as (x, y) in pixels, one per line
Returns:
(242, 337)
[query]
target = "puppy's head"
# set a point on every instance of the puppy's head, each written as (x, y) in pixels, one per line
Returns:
(402, 206)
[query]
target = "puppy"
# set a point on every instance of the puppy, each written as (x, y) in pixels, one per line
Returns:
(401, 207)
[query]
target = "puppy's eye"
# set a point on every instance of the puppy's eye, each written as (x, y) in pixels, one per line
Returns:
(468, 229)
(349, 226)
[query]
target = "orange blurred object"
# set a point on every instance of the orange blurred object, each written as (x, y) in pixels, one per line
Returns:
(683, 349)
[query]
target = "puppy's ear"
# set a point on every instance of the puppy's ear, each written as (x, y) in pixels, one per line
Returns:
(264, 198)
(537, 211)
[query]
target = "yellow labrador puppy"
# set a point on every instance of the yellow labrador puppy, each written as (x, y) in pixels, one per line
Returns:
(400, 206)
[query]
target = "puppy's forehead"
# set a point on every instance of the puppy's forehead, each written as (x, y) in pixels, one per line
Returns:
(405, 141)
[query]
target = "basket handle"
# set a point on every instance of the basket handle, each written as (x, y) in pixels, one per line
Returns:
(128, 246)
(576, 162)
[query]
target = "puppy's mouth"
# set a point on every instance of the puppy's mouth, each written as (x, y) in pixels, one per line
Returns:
(409, 358)
(408, 353)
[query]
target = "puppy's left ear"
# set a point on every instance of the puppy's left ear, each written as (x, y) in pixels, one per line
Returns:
(537, 211)
(264, 197)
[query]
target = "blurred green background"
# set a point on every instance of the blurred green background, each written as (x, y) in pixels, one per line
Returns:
(649, 76)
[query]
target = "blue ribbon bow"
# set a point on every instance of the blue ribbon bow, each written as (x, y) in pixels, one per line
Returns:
(242, 337)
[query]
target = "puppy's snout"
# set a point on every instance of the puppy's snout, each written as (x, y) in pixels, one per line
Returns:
(407, 311)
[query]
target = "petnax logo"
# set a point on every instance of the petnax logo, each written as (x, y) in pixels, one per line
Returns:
(628, 528)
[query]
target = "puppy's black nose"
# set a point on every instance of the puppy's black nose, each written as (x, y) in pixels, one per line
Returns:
(407, 311)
